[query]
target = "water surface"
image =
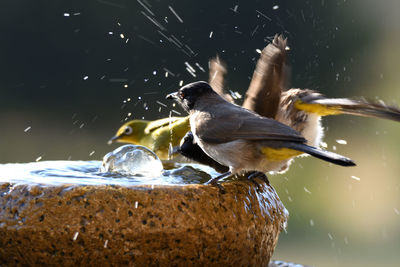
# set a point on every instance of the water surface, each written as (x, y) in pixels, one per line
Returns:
(88, 173)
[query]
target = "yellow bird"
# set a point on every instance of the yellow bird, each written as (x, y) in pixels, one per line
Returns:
(156, 135)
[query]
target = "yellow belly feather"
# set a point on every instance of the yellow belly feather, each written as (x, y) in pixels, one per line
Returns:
(279, 154)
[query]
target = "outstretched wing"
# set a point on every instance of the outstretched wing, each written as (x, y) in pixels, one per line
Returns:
(216, 78)
(268, 80)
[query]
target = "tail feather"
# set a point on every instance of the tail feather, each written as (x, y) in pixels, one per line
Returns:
(322, 154)
(359, 107)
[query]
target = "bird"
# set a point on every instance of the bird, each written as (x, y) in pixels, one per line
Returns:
(268, 96)
(162, 134)
(301, 109)
(157, 135)
(262, 96)
(239, 138)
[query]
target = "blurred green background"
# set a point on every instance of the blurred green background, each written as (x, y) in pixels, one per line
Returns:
(69, 79)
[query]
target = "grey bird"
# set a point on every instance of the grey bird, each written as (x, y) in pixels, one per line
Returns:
(300, 109)
(241, 139)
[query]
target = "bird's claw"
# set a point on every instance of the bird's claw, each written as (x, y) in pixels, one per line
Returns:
(262, 176)
(219, 186)
(214, 181)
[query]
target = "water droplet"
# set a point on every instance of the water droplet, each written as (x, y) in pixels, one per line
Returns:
(75, 236)
(132, 160)
(330, 236)
(307, 191)
(341, 142)
(396, 211)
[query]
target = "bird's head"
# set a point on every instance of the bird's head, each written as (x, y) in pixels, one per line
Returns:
(131, 132)
(191, 93)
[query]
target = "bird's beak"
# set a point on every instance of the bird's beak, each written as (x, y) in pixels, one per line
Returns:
(113, 139)
(172, 95)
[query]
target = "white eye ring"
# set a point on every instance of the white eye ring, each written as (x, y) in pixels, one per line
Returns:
(128, 130)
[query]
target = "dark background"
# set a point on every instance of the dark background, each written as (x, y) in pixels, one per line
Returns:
(45, 55)
(341, 48)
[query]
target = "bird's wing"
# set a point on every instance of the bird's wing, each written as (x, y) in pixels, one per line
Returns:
(238, 123)
(268, 80)
(216, 78)
(313, 102)
(154, 125)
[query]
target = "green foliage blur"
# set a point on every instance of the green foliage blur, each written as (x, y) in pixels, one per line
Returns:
(73, 71)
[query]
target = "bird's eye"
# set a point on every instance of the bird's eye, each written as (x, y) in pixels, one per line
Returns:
(182, 95)
(128, 130)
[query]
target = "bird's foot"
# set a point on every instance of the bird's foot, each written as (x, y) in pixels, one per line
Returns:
(260, 175)
(219, 186)
(214, 181)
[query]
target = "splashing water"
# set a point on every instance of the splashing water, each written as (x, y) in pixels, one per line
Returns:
(132, 160)
(127, 165)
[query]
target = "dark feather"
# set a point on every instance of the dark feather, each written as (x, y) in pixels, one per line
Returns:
(321, 154)
(239, 123)
(268, 79)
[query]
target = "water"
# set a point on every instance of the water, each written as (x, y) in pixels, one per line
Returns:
(88, 173)
(132, 160)
(127, 165)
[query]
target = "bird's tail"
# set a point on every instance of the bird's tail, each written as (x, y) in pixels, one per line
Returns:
(334, 106)
(322, 154)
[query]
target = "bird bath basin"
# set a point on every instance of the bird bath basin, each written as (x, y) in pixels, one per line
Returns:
(70, 213)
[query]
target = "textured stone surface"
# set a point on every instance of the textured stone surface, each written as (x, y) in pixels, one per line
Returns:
(139, 225)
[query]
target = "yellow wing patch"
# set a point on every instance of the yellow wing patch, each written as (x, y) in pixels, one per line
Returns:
(278, 154)
(318, 109)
